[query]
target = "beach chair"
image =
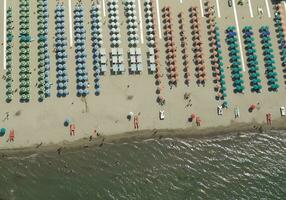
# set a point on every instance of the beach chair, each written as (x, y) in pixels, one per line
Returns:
(139, 59)
(139, 67)
(120, 59)
(132, 52)
(133, 67)
(121, 67)
(114, 51)
(103, 67)
(114, 63)
(151, 51)
(132, 59)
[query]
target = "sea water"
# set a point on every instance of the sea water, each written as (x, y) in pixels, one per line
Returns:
(244, 166)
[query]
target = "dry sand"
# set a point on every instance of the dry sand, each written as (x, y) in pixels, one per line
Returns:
(42, 122)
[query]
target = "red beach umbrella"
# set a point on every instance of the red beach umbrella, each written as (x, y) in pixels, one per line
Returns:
(218, 86)
(214, 47)
(212, 28)
(202, 67)
(215, 59)
(201, 78)
(216, 65)
(219, 95)
(172, 73)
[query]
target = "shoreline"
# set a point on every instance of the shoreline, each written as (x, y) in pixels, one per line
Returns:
(234, 128)
(43, 122)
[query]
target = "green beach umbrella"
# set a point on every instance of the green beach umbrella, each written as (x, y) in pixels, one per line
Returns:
(223, 88)
(9, 97)
(2, 132)
(9, 90)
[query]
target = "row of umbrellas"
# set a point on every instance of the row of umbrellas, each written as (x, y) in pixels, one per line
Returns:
(150, 14)
(236, 68)
(185, 48)
(44, 67)
(219, 66)
(24, 51)
(61, 54)
(130, 12)
(281, 32)
(171, 48)
(114, 23)
(252, 62)
(271, 73)
(218, 70)
(150, 23)
(198, 58)
(9, 79)
(24, 17)
(96, 43)
(80, 37)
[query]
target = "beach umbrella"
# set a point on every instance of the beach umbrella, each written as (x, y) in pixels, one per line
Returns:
(252, 107)
(2, 132)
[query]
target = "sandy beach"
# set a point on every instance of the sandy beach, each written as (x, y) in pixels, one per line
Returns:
(37, 122)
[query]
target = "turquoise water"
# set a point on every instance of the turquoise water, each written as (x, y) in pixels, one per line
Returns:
(248, 166)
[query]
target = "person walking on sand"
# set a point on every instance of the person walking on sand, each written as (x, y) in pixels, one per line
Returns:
(136, 122)
(11, 135)
(72, 130)
(7, 114)
(198, 121)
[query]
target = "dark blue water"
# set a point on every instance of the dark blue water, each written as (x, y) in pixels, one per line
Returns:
(249, 166)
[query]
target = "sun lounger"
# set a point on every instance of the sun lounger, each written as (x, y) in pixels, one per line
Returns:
(132, 51)
(152, 59)
(102, 52)
(121, 67)
(138, 51)
(139, 59)
(114, 51)
(139, 67)
(151, 51)
(103, 67)
(133, 59)
(133, 67)
(120, 59)
(103, 59)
